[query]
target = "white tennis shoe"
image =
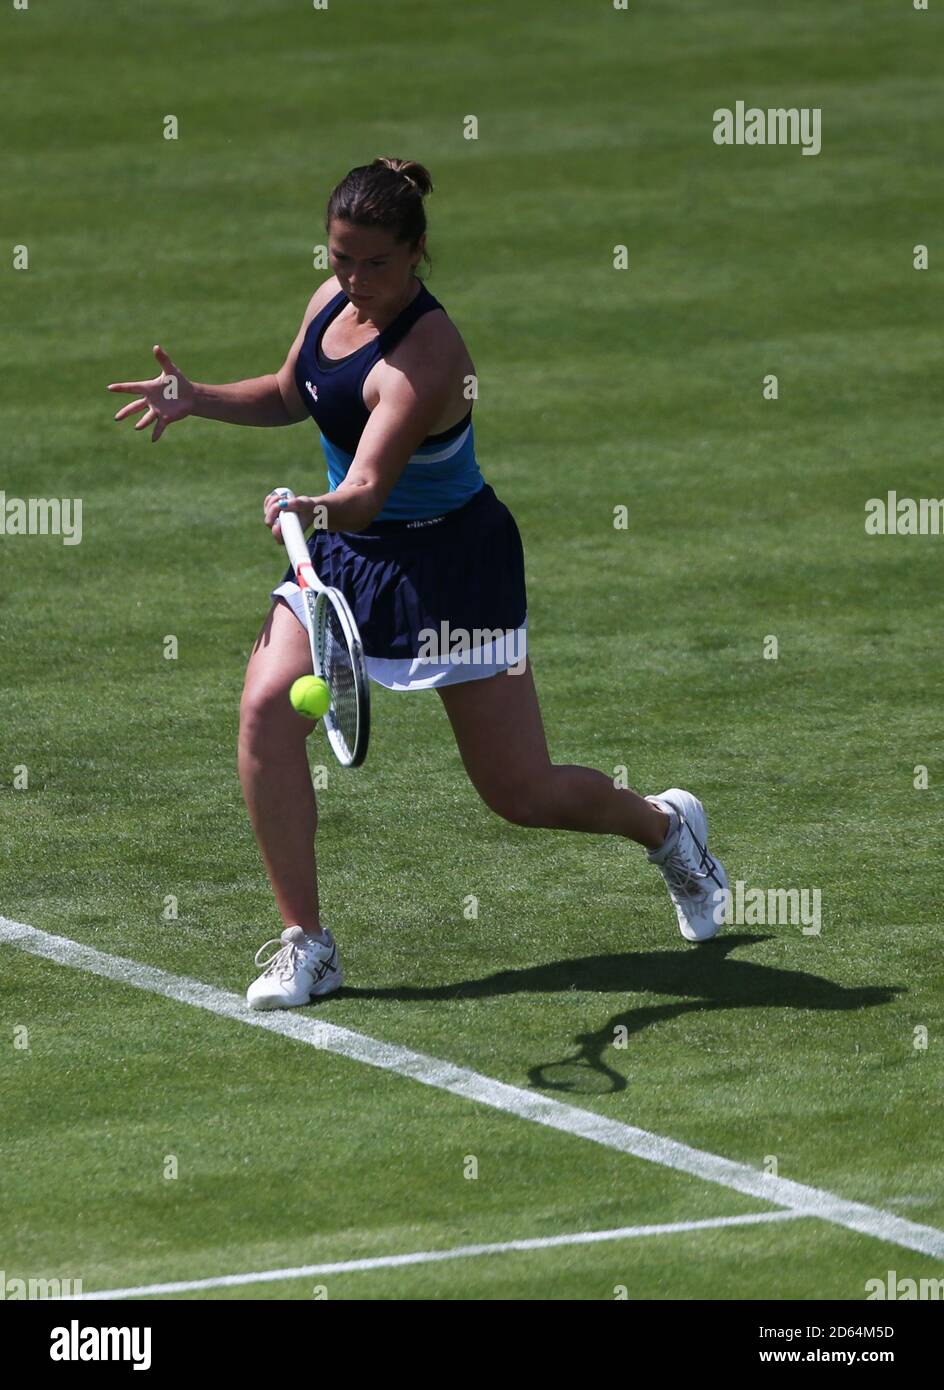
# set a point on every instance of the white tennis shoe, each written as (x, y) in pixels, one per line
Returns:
(304, 966)
(697, 883)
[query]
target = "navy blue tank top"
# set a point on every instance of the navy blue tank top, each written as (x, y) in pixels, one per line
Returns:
(441, 474)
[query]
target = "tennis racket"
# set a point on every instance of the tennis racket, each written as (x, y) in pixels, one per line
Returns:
(337, 655)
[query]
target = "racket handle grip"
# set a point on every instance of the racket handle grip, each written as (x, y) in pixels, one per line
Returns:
(292, 533)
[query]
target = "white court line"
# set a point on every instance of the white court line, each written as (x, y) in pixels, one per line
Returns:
(423, 1257)
(470, 1085)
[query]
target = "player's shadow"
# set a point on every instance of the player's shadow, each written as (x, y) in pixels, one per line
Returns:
(704, 979)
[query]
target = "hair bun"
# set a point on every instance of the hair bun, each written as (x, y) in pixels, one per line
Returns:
(416, 174)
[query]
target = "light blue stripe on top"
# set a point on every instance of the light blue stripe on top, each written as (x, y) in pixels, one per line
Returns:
(438, 478)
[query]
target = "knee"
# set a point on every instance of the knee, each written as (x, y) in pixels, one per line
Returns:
(520, 806)
(265, 715)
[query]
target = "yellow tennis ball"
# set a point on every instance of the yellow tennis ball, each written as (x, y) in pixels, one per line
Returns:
(310, 696)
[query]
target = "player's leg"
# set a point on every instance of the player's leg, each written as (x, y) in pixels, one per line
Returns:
(498, 728)
(273, 766)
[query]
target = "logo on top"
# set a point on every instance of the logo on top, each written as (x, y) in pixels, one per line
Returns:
(312, 390)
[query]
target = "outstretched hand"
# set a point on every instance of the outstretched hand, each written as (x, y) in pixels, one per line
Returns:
(167, 398)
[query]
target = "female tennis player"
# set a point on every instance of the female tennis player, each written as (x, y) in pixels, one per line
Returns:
(419, 544)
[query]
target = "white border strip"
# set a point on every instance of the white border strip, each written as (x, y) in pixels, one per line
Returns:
(446, 452)
(415, 672)
(470, 1085)
(423, 1257)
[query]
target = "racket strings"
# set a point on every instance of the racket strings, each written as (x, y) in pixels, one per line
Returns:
(340, 677)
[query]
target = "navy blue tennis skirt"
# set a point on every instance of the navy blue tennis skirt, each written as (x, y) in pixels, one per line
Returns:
(437, 601)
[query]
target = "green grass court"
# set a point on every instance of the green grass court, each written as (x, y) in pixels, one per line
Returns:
(597, 388)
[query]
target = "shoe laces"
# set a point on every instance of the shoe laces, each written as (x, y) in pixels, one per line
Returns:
(681, 872)
(282, 963)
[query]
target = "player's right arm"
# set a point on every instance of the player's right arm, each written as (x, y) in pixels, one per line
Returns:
(262, 400)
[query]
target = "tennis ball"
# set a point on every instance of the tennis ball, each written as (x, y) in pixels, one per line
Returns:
(310, 696)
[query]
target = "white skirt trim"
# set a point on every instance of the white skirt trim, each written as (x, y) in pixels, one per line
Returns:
(419, 673)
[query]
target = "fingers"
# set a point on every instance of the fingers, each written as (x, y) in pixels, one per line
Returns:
(279, 508)
(270, 515)
(303, 507)
(164, 360)
(145, 391)
(131, 409)
(138, 386)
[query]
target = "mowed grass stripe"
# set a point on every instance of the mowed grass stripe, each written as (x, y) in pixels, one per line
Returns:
(460, 1081)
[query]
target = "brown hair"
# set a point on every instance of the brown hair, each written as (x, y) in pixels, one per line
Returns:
(388, 193)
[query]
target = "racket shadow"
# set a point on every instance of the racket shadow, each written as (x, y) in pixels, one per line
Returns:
(702, 980)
